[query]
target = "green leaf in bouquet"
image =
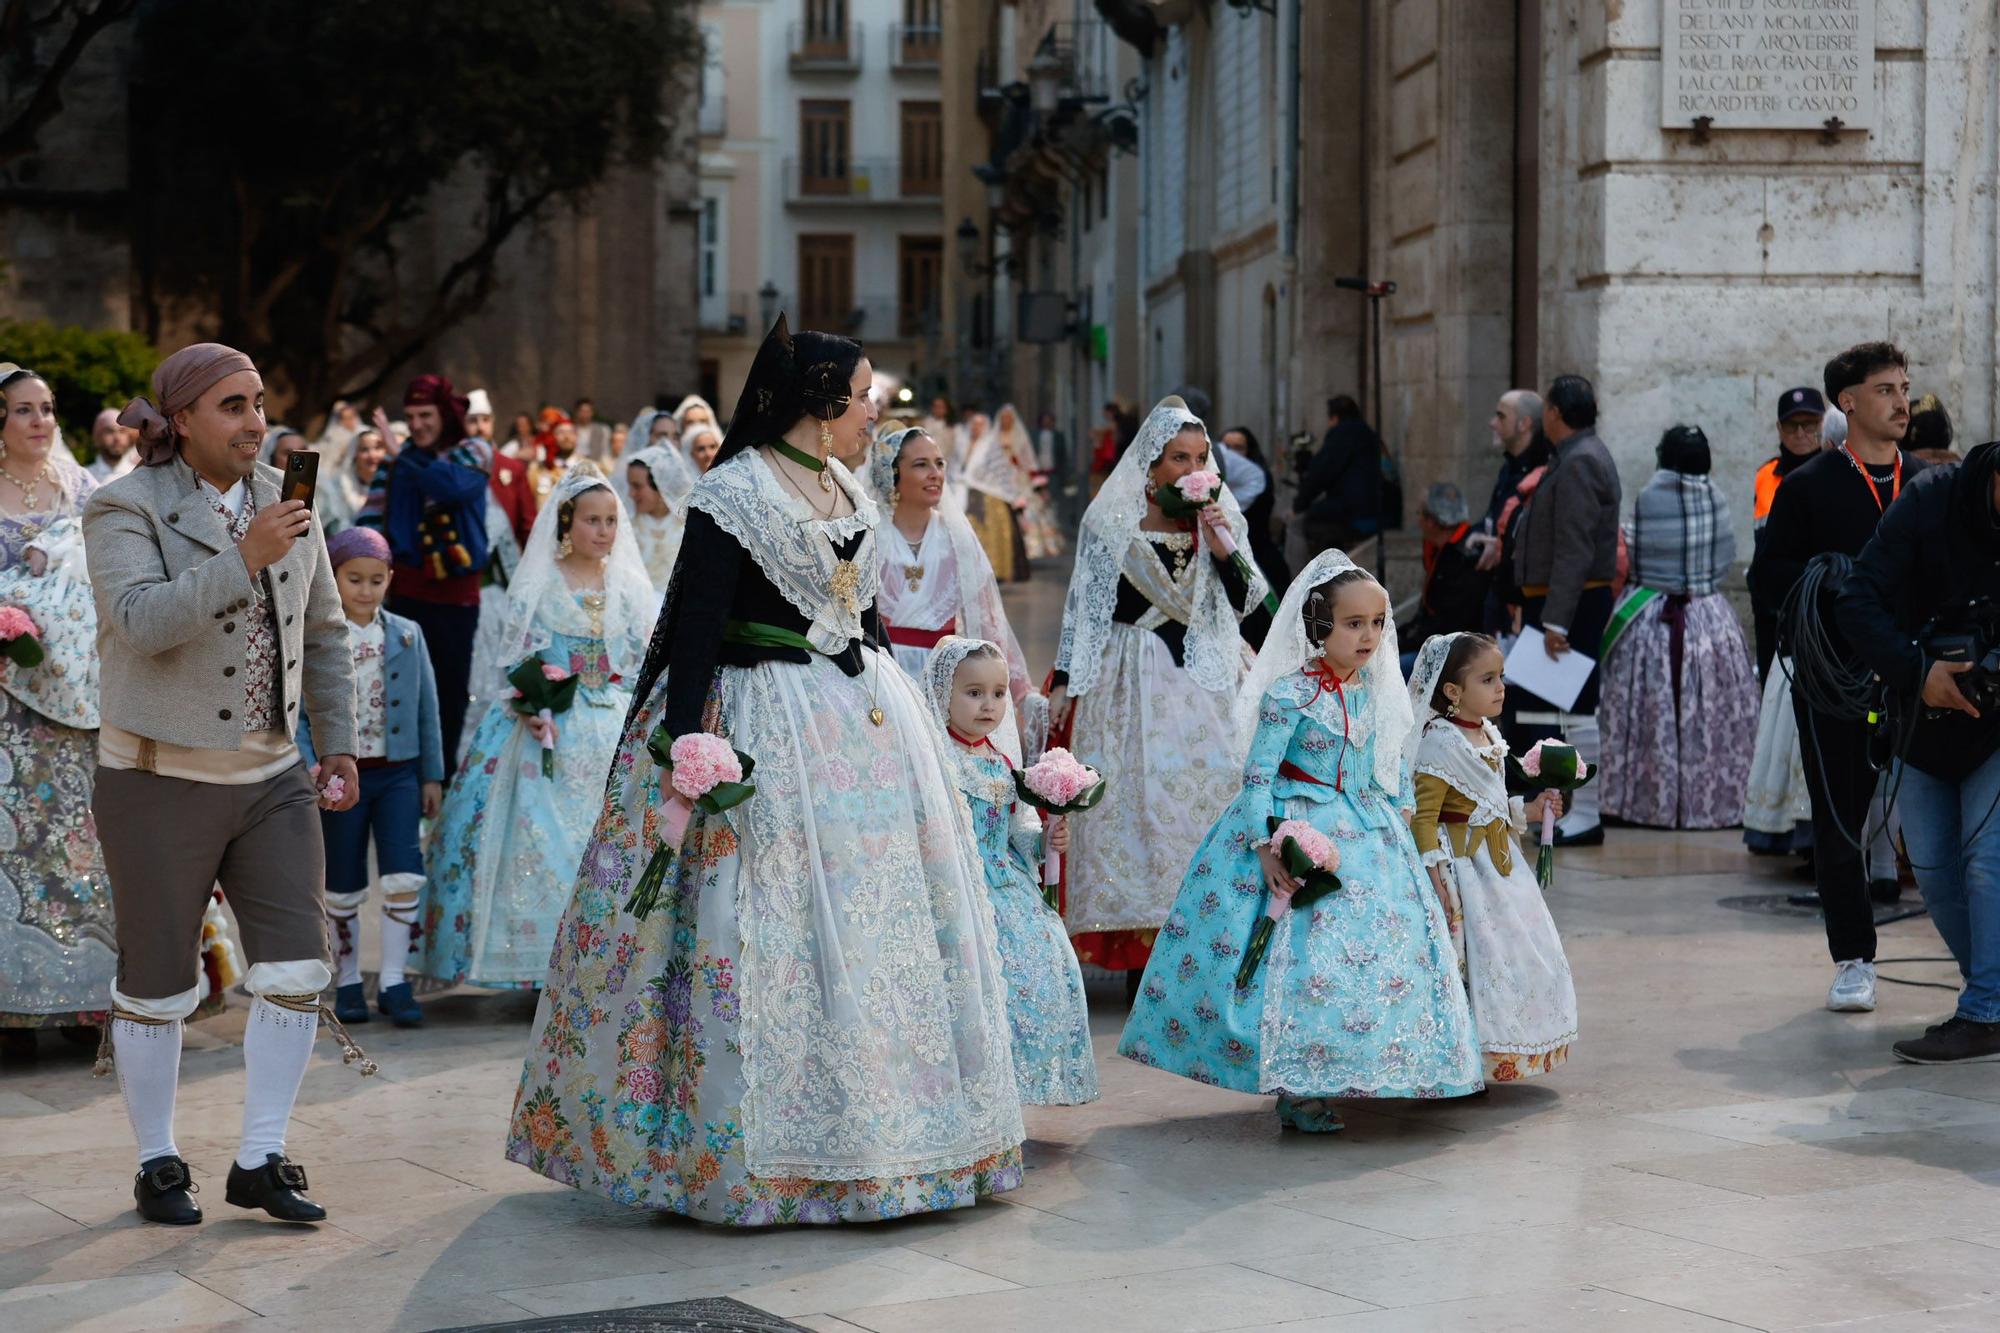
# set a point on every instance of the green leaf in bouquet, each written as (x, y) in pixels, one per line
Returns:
(25, 651)
(1296, 861)
(725, 796)
(1087, 799)
(1176, 505)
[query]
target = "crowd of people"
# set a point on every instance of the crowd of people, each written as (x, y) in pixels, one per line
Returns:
(718, 736)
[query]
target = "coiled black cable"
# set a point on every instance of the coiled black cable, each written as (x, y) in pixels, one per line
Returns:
(1829, 681)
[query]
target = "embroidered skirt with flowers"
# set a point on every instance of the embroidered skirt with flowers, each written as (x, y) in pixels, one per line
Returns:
(507, 842)
(812, 1027)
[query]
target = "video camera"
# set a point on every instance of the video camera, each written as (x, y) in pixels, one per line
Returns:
(1971, 634)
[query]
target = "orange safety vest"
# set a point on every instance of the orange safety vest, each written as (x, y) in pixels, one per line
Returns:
(1767, 491)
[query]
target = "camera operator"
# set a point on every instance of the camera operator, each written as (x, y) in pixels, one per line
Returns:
(1931, 571)
(1831, 504)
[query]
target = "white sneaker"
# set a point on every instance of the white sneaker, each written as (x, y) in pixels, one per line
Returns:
(1853, 990)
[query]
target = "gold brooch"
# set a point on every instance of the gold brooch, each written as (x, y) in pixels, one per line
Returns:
(847, 584)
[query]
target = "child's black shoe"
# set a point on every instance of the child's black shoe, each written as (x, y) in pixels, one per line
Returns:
(350, 1005)
(399, 1005)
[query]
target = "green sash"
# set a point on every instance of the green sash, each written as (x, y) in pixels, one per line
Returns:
(756, 634)
(1627, 611)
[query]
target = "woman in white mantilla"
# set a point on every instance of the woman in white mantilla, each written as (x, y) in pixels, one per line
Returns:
(812, 1024)
(507, 843)
(657, 481)
(936, 580)
(1150, 661)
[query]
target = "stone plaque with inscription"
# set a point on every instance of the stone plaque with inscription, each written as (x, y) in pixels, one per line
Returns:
(1767, 64)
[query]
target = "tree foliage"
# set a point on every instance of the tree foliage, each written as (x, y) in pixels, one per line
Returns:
(286, 143)
(88, 369)
(40, 43)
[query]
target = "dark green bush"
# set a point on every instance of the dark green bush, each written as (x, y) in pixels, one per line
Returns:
(89, 369)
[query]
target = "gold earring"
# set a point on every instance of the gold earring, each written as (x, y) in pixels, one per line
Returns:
(896, 496)
(826, 436)
(564, 548)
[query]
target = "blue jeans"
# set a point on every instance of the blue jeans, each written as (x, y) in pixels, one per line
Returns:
(390, 804)
(1961, 884)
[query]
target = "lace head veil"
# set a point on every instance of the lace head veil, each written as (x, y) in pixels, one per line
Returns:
(793, 376)
(1289, 646)
(629, 597)
(673, 475)
(1110, 525)
(1424, 679)
(939, 670)
(692, 400)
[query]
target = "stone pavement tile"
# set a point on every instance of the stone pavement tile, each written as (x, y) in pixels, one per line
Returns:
(1566, 1144)
(802, 1286)
(135, 1304)
(229, 1238)
(24, 1221)
(1839, 1219)
(403, 1315)
(433, 1268)
(693, 1244)
(1981, 1318)
(1949, 1154)
(1827, 1288)
(1509, 1198)
(1524, 1259)
(1035, 1248)
(1192, 1300)
(1835, 1116)
(826, 1323)
(1569, 1310)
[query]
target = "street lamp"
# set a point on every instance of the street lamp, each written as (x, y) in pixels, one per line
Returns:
(968, 246)
(1045, 75)
(767, 302)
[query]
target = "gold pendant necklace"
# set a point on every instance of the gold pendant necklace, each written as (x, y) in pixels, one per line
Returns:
(31, 489)
(913, 576)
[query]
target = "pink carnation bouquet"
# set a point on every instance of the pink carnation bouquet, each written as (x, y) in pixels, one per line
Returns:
(1186, 498)
(1058, 784)
(1548, 766)
(543, 689)
(1310, 857)
(20, 637)
(711, 775)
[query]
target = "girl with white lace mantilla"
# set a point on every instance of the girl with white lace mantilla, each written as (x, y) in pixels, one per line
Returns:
(507, 843)
(1359, 993)
(812, 1025)
(1047, 1010)
(1466, 825)
(1150, 662)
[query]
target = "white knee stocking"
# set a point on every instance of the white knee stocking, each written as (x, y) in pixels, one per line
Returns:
(399, 925)
(344, 935)
(277, 1046)
(148, 1060)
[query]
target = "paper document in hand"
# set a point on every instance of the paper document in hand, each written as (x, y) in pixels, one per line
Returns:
(1559, 680)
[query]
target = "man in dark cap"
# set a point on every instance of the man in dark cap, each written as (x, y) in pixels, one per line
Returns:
(433, 511)
(1800, 411)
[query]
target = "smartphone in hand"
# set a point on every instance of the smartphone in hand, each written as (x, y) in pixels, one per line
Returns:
(301, 476)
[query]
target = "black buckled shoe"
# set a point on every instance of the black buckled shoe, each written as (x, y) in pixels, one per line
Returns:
(164, 1192)
(278, 1187)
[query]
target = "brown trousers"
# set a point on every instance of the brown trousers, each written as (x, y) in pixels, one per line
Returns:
(168, 842)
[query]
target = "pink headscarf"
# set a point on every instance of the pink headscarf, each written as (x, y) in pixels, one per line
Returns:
(180, 380)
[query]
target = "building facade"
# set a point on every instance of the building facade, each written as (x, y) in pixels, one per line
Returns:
(1511, 167)
(822, 178)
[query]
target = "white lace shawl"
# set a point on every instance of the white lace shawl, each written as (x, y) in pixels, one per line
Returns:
(794, 547)
(980, 612)
(1214, 650)
(1447, 752)
(1001, 462)
(1384, 720)
(540, 603)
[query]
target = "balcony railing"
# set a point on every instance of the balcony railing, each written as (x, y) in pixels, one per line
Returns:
(1085, 55)
(829, 48)
(861, 180)
(915, 47)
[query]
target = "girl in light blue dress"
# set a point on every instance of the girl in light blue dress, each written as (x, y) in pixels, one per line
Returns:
(508, 841)
(1359, 994)
(966, 680)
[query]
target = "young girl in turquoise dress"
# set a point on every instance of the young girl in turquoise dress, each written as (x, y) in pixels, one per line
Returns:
(507, 844)
(1359, 994)
(1047, 1011)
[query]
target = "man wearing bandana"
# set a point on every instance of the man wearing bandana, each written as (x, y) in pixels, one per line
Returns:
(433, 511)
